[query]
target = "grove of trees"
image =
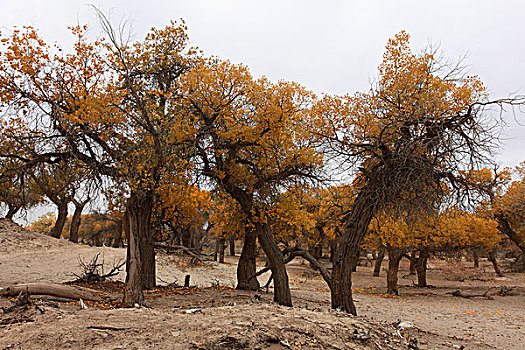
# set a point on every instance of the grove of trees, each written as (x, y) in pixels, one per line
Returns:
(182, 147)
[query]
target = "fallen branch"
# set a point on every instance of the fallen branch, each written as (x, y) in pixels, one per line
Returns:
(56, 290)
(458, 293)
(109, 328)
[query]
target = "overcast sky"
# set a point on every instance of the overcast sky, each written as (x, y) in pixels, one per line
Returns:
(328, 46)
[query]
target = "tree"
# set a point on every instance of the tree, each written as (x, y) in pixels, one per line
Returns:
(251, 140)
(505, 203)
(414, 131)
(112, 107)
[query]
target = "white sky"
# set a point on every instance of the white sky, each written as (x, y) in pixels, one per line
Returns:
(330, 46)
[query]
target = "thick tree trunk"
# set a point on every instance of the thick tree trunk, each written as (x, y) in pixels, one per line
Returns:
(56, 231)
(13, 209)
(494, 261)
(75, 221)
(222, 248)
(282, 294)
(137, 225)
(379, 261)
(147, 249)
(348, 246)
(232, 245)
(247, 262)
(394, 257)
(413, 262)
(421, 268)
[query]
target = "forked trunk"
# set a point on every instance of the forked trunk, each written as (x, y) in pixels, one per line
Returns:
(137, 226)
(75, 221)
(247, 262)
(348, 246)
(421, 268)
(275, 257)
(56, 231)
(394, 257)
(379, 261)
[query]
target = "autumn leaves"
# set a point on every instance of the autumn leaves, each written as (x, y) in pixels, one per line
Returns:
(170, 129)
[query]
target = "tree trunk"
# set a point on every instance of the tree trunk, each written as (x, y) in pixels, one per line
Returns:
(137, 226)
(232, 245)
(216, 252)
(275, 257)
(247, 262)
(494, 261)
(421, 268)
(518, 265)
(75, 221)
(394, 257)
(222, 248)
(504, 227)
(147, 249)
(117, 236)
(56, 231)
(413, 263)
(475, 257)
(379, 261)
(13, 209)
(348, 246)
(56, 290)
(333, 248)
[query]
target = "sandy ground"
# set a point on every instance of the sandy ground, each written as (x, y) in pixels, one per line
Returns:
(223, 318)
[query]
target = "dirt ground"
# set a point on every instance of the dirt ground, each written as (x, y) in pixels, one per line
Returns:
(213, 315)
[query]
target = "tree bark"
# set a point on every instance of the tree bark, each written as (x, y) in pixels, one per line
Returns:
(333, 245)
(222, 248)
(282, 294)
(413, 262)
(232, 245)
(75, 221)
(475, 257)
(247, 262)
(56, 290)
(56, 231)
(494, 261)
(117, 236)
(421, 268)
(379, 261)
(147, 249)
(137, 225)
(505, 228)
(394, 257)
(216, 252)
(13, 209)
(348, 246)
